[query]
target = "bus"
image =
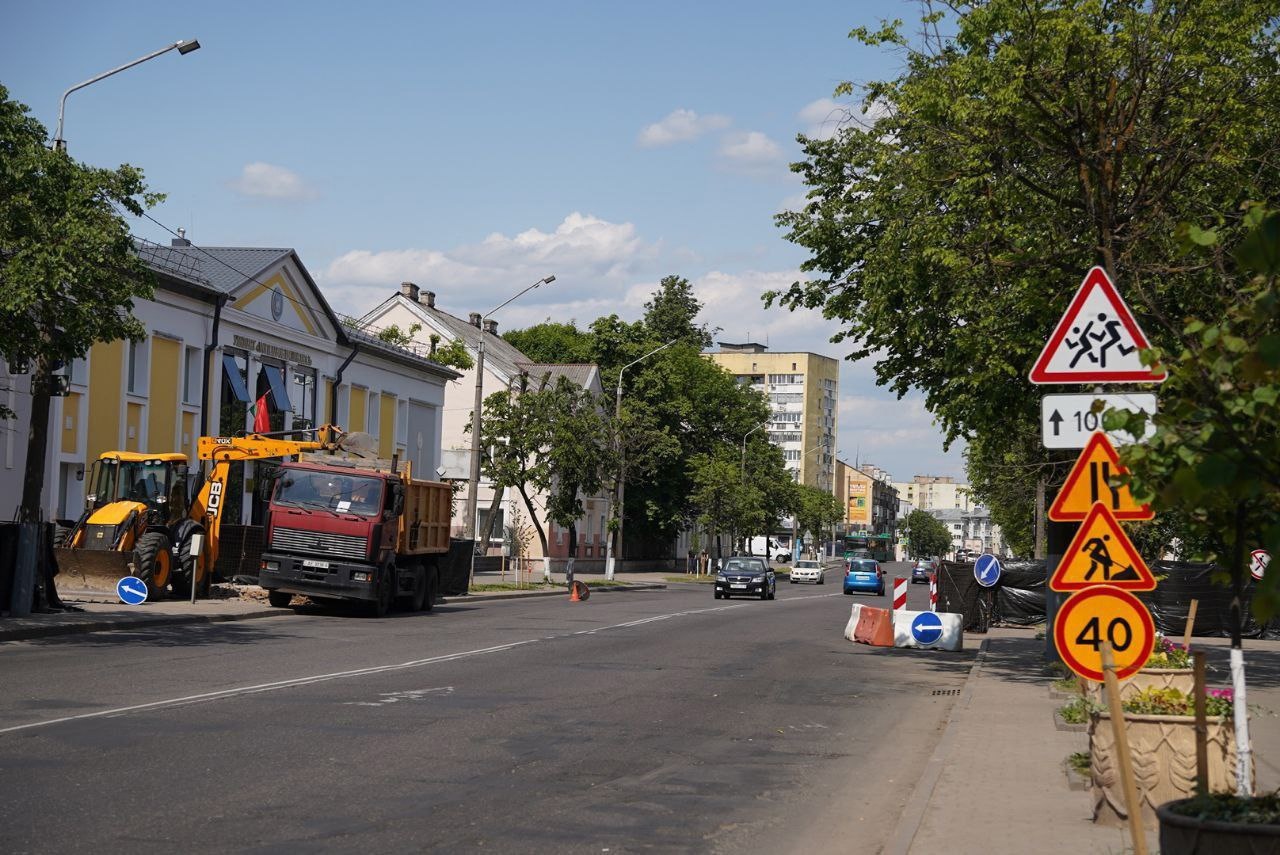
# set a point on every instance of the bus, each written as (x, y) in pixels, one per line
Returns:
(879, 546)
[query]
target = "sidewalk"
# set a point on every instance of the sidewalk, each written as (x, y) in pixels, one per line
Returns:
(89, 615)
(996, 782)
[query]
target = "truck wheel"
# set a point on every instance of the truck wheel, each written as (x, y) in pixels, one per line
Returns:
(384, 595)
(153, 561)
(279, 599)
(432, 576)
(414, 601)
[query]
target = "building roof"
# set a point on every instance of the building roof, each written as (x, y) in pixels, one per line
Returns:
(583, 374)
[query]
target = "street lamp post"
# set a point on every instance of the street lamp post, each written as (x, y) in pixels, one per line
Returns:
(795, 523)
(622, 469)
(473, 482)
(742, 479)
(183, 47)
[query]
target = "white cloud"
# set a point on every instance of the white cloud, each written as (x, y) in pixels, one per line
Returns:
(749, 150)
(268, 181)
(822, 118)
(680, 126)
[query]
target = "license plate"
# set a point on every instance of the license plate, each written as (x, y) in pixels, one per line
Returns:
(737, 586)
(863, 577)
(318, 565)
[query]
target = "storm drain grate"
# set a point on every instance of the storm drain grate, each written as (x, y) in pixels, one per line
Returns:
(937, 692)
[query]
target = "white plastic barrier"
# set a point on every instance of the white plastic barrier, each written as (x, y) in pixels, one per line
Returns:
(853, 621)
(936, 630)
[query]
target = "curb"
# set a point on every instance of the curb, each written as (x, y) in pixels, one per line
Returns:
(141, 622)
(517, 595)
(913, 813)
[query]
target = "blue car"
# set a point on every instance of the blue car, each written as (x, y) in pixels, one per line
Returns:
(865, 576)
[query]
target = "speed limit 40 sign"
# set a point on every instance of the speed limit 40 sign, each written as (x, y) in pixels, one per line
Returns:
(1098, 614)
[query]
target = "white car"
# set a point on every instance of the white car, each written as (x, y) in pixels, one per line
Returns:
(806, 570)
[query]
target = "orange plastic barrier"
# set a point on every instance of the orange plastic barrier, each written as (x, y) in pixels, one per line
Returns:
(875, 627)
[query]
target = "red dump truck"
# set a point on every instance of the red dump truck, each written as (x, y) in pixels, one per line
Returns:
(342, 528)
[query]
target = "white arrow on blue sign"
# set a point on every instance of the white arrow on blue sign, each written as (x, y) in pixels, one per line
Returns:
(926, 628)
(986, 570)
(131, 591)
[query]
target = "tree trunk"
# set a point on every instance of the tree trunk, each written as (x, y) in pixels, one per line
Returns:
(31, 509)
(493, 512)
(537, 526)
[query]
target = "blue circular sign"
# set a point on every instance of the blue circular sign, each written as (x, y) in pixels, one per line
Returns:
(986, 570)
(131, 591)
(926, 628)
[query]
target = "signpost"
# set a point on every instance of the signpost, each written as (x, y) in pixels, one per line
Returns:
(1104, 614)
(1258, 561)
(987, 570)
(131, 591)
(1089, 483)
(926, 629)
(1068, 421)
(1101, 554)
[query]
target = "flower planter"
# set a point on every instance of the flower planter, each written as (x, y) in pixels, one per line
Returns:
(1186, 835)
(1164, 762)
(1182, 679)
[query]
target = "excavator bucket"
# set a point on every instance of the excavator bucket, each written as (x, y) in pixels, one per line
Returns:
(92, 573)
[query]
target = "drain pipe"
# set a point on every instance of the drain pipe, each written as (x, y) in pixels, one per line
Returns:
(208, 359)
(337, 382)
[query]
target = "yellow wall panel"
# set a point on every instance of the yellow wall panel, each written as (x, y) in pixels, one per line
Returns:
(357, 408)
(106, 387)
(326, 406)
(387, 426)
(70, 422)
(188, 438)
(162, 417)
(133, 427)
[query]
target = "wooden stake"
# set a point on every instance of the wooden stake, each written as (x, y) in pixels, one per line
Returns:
(1202, 726)
(1122, 752)
(1191, 622)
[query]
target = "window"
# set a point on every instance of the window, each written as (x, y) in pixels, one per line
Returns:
(137, 367)
(191, 375)
(304, 398)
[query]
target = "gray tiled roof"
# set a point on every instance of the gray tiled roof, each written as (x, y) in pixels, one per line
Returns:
(228, 267)
(584, 374)
(500, 355)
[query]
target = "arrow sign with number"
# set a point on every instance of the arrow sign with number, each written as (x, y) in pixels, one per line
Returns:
(1056, 421)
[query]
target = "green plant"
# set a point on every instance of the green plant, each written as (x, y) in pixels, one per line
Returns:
(1079, 761)
(1075, 711)
(1168, 654)
(1067, 684)
(1218, 702)
(1222, 807)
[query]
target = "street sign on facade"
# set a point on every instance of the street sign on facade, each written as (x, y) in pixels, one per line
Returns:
(1101, 614)
(1097, 340)
(1067, 421)
(1089, 482)
(1258, 561)
(131, 591)
(926, 628)
(986, 570)
(1101, 554)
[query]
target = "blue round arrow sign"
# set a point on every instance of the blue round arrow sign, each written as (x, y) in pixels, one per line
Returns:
(926, 628)
(986, 570)
(131, 591)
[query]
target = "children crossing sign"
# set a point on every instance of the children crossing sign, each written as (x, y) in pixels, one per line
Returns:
(1089, 482)
(1096, 341)
(1101, 554)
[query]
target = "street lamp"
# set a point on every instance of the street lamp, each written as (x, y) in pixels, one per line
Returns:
(473, 483)
(742, 469)
(622, 469)
(183, 47)
(795, 523)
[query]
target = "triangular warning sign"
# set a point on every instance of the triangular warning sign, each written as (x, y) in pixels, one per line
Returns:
(1102, 554)
(1090, 481)
(1097, 340)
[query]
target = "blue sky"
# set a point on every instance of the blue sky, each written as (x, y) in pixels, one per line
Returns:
(476, 147)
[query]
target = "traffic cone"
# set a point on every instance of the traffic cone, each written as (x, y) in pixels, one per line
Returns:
(578, 592)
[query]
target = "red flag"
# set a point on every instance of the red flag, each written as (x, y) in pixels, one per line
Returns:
(261, 418)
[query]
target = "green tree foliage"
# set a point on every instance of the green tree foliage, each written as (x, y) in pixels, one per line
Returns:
(454, 354)
(400, 338)
(927, 536)
(1215, 457)
(672, 312)
(722, 500)
(68, 273)
(816, 511)
(551, 342)
(1025, 144)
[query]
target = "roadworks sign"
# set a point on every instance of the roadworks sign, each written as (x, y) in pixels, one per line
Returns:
(1089, 482)
(1102, 554)
(1097, 341)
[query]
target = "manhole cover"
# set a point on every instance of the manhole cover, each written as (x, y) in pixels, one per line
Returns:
(936, 692)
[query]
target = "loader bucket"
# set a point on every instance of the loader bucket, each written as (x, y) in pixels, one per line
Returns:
(92, 573)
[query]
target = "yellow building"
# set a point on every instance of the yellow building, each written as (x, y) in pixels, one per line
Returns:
(869, 497)
(802, 389)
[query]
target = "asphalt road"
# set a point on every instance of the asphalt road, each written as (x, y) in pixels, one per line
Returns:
(657, 721)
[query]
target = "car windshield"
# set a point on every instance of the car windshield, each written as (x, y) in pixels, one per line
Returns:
(345, 494)
(744, 565)
(863, 566)
(807, 565)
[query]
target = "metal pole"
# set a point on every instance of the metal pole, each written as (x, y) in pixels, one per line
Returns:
(185, 47)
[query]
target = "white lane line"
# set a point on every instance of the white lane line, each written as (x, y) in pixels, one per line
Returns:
(337, 675)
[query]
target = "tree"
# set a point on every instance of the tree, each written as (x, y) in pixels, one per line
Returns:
(1008, 157)
(551, 342)
(671, 312)
(927, 536)
(68, 272)
(816, 510)
(721, 499)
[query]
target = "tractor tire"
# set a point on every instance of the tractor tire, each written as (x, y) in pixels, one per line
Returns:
(184, 565)
(279, 599)
(153, 562)
(61, 534)
(385, 594)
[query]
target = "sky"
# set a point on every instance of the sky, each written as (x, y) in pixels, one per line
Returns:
(474, 148)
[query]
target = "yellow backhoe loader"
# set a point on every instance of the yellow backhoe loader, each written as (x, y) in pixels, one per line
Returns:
(139, 519)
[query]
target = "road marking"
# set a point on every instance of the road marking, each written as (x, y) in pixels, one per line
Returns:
(360, 672)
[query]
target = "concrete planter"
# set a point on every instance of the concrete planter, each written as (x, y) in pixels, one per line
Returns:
(1182, 679)
(1164, 762)
(1185, 835)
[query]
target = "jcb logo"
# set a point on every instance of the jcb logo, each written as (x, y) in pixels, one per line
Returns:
(215, 499)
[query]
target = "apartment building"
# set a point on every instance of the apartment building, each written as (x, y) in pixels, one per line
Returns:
(803, 390)
(935, 493)
(869, 497)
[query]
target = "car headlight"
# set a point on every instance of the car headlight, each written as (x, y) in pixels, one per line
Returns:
(759, 578)
(271, 566)
(720, 577)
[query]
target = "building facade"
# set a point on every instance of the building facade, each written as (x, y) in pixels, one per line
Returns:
(869, 497)
(803, 393)
(935, 493)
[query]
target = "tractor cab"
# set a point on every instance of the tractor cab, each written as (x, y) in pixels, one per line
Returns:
(158, 481)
